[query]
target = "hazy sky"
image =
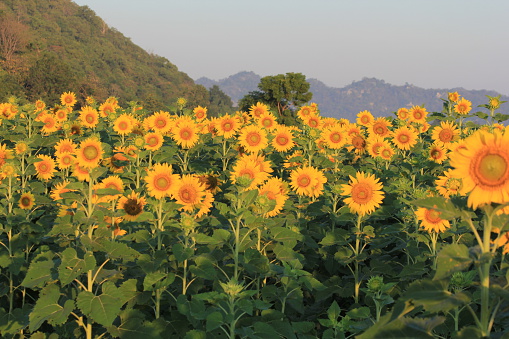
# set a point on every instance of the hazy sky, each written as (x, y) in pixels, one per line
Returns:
(427, 43)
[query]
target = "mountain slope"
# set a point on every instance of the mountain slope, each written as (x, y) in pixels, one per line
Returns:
(101, 61)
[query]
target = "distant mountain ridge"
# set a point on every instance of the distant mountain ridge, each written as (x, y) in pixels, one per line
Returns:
(374, 95)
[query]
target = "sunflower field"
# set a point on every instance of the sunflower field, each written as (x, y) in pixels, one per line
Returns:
(116, 222)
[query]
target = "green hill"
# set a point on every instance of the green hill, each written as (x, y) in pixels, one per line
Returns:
(48, 47)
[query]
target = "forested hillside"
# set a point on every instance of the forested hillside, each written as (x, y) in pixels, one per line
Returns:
(47, 47)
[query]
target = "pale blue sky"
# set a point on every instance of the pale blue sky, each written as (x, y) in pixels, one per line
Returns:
(427, 43)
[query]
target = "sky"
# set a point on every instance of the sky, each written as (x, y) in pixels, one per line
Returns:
(427, 43)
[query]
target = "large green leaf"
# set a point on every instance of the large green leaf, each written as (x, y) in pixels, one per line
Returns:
(40, 271)
(433, 296)
(104, 308)
(452, 258)
(48, 309)
(71, 266)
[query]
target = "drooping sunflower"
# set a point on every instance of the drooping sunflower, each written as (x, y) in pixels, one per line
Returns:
(200, 113)
(417, 114)
(448, 185)
(45, 168)
(380, 127)
(227, 126)
(365, 118)
(253, 138)
(123, 124)
(132, 205)
(211, 182)
(117, 162)
(282, 140)
(364, 193)
(483, 165)
(90, 153)
(358, 143)
(26, 201)
(89, 117)
(68, 99)
(186, 134)
(257, 110)
(189, 192)
(59, 189)
(160, 122)
(307, 181)
(153, 141)
(205, 205)
(160, 180)
(65, 146)
(335, 137)
(404, 137)
(463, 106)
(446, 133)
(431, 220)
(21, 147)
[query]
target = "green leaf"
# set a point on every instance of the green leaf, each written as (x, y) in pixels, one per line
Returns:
(48, 309)
(40, 271)
(71, 266)
(204, 268)
(182, 253)
(104, 308)
(214, 320)
(286, 236)
(433, 296)
(402, 328)
(151, 279)
(195, 334)
(334, 311)
(452, 258)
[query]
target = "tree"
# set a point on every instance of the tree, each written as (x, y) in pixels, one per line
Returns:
(220, 103)
(14, 37)
(284, 92)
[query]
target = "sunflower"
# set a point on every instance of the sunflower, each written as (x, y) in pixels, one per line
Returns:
(267, 121)
(364, 191)
(132, 205)
(253, 138)
(68, 99)
(107, 108)
(386, 152)
(380, 127)
(39, 105)
(61, 114)
(227, 126)
(153, 141)
(205, 205)
(274, 189)
(374, 146)
(431, 220)
(211, 182)
(446, 133)
(45, 168)
(90, 153)
(123, 125)
(463, 106)
(50, 124)
(282, 140)
(59, 189)
(250, 170)
(307, 181)
(358, 143)
(417, 114)
(186, 134)
(160, 122)
(261, 163)
(81, 173)
(305, 111)
(26, 201)
(335, 137)
(64, 146)
(453, 96)
(200, 113)
(483, 165)
(189, 192)
(89, 117)
(116, 162)
(404, 137)
(403, 114)
(65, 160)
(160, 180)
(437, 153)
(365, 118)
(257, 110)
(448, 185)
(21, 147)
(313, 121)
(113, 182)
(4, 154)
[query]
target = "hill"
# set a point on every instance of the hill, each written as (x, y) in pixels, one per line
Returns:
(61, 46)
(375, 95)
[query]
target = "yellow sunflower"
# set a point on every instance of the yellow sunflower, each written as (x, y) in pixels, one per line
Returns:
(437, 153)
(107, 108)
(39, 105)
(453, 96)
(250, 169)
(45, 168)
(374, 146)
(68, 99)
(200, 113)
(132, 206)
(365, 118)
(274, 189)
(463, 106)
(386, 152)
(404, 137)
(358, 143)
(403, 114)
(160, 180)
(282, 140)
(364, 193)
(380, 127)
(446, 133)
(59, 189)
(448, 185)
(124, 124)
(186, 134)
(483, 165)
(335, 137)
(257, 110)
(189, 192)
(50, 124)
(89, 117)
(253, 139)
(65, 160)
(160, 122)
(431, 221)
(153, 141)
(267, 121)
(307, 181)
(113, 182)
(26, 201)
(81, 173)
(64, 146)
(227, 126)
(305, 111)
(418, 114)
(61, 114)
(90, 153)
(313, 121)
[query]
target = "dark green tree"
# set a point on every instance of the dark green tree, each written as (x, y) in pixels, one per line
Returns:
(220, 102)
(282, 92)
